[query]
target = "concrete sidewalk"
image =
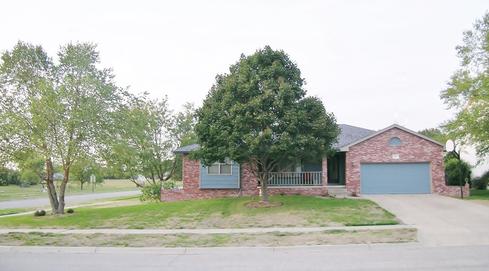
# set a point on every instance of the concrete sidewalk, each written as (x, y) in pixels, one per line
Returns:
(207, 231)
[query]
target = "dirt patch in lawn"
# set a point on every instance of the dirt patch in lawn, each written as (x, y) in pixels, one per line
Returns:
(261, 204)
(211, 240)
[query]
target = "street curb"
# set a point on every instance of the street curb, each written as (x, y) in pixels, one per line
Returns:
(207, 231)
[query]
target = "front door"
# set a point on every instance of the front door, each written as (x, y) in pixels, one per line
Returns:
(336, 169)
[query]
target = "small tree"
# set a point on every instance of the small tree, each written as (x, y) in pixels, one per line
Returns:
(83, 169)
(258, 114)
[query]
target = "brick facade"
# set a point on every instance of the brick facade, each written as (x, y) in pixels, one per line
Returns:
(413, 149)
(249, 185)
(191, 184)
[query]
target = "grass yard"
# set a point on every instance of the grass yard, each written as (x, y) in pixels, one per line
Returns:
(479, 194)
(296, 211)
(14, 192)
(210, 240)
(12, 211)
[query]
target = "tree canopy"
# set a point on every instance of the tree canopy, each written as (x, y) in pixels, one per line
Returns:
(60, 110)
(468, 89)
(259, 114)
(146, 134)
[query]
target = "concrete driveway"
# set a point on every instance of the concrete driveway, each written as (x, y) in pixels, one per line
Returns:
(440, 220)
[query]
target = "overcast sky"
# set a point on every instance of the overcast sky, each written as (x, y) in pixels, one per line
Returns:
(372, 63)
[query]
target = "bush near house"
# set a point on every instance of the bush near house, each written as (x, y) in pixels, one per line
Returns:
(457, 171)
(151, 192)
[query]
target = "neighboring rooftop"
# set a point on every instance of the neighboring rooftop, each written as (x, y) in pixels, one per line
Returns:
(348, 135)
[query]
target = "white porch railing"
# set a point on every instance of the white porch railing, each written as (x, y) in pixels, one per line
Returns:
(308, 178)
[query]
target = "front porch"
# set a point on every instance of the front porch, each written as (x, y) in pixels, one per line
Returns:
(328, 172)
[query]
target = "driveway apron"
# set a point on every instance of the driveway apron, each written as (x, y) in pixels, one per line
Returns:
(440, 220)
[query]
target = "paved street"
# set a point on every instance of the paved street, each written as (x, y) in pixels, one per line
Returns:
(440, 220)
(70, 200)
(352, 257)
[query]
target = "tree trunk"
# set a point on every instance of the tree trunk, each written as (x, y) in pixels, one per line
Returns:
(81, 185)
(53, 198)
(173, 167)
(264, 187)
(62, 189)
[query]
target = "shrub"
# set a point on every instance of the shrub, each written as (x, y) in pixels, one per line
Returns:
(456, 171)
(9, 176)
(39, 213)
(29, 178)
(481, 182)
(151, 192)
(70, 211)
(168, 185)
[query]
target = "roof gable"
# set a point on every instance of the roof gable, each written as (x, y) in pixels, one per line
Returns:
(345, 148)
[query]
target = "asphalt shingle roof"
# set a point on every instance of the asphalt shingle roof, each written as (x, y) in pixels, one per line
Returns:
(187, 148)
(348, 135)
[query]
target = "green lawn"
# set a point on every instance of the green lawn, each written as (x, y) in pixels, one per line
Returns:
(479, 194)
(13, 192)
(12, 211)
(216, 213)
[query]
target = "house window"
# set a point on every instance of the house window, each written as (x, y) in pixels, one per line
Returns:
(394, 142)
(220, 168)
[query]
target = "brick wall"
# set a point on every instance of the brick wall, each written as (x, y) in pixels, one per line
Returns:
(191, 184)
(249, 185)
(299, 190)
(412, 149)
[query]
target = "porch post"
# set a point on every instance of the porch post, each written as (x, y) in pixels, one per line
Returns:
(324, 167)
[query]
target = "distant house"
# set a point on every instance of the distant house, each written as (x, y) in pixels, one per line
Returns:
(394, 160)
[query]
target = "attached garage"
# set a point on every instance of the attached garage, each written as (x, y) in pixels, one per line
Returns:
(395, 178)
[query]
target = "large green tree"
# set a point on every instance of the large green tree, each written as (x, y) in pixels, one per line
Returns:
(58, 109)
(259, 114)
(468, 89)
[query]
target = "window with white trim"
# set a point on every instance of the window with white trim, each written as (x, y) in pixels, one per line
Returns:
(220, 168)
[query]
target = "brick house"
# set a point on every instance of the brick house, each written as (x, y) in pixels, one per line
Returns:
(394, 160)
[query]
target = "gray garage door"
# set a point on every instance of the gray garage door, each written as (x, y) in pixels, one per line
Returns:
(395, 178)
